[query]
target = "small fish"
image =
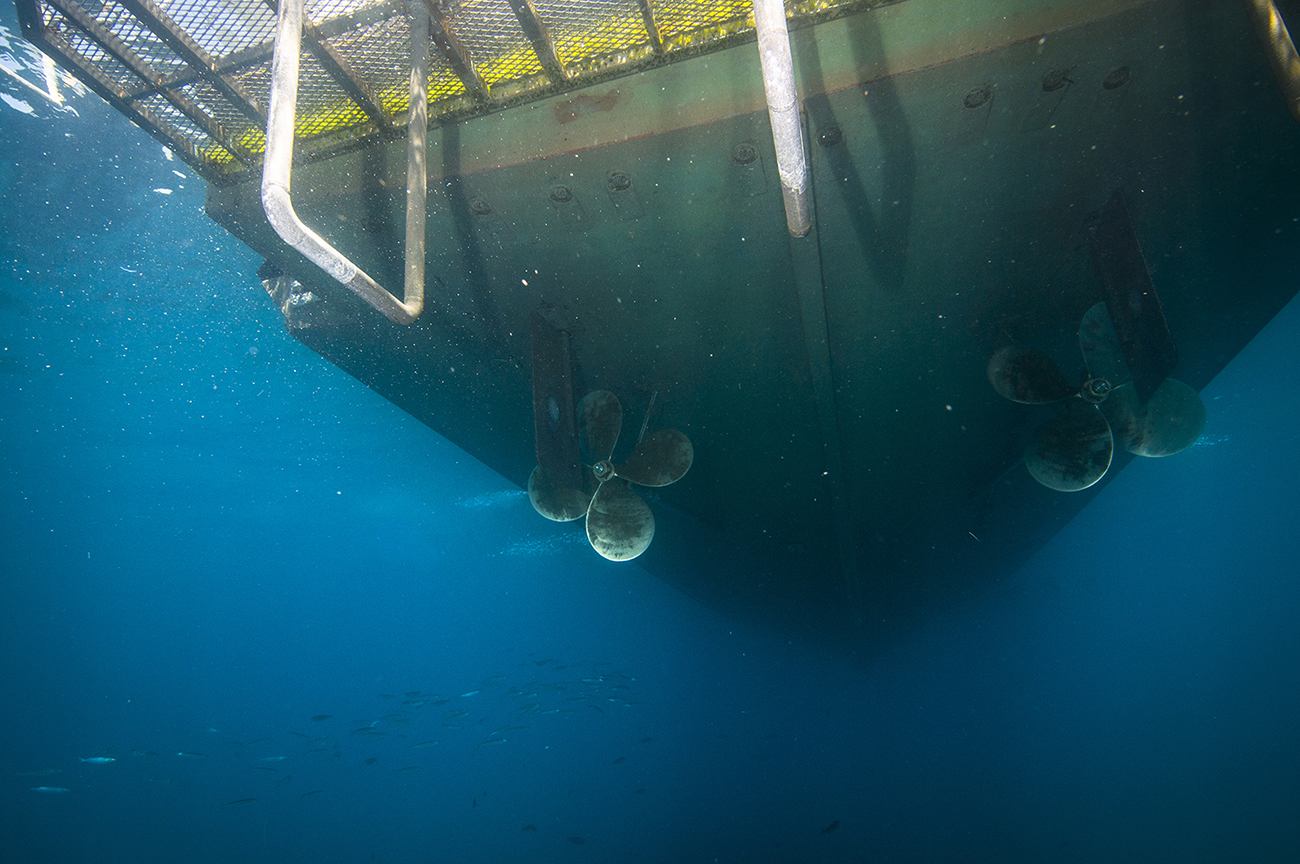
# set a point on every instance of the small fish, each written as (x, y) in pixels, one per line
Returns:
(831, 827)
(532, 829)
(319, 717)
(312, 792)
(185, 755)
(45, 773)
(620, 760)
(50, 790)
(470, 693)
(299, 735)
(371, 761)
(409, 769)
(577, 841)
(284, 781)
(423, 745)
(241, 802)
(273, 759)
(99, 760)
(261, 768)
(491, 741)
(412, 694)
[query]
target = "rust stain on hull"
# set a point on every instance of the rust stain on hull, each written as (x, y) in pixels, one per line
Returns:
(583, 104)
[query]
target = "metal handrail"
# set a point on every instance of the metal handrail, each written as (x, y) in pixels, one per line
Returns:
(783, 112)
(1280, 49)
(277, 168)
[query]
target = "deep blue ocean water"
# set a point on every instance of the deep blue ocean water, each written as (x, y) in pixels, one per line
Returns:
(209, 536)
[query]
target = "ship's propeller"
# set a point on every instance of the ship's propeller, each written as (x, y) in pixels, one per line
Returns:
(620, 525)
(1073, 450)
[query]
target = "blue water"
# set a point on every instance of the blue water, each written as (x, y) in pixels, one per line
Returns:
(209, 536)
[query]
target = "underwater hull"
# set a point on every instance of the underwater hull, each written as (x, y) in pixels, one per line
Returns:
(852, 462)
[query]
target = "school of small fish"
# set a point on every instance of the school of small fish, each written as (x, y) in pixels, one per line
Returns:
(501, 711)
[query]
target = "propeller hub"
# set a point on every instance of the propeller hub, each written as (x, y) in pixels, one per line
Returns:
(603, 470)
(1095, 390)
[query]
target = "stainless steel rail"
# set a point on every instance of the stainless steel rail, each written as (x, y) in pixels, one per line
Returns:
(1280, 49)
(277, 168)
(783, 111)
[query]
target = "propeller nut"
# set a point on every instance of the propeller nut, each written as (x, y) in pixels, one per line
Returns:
(1095, 390)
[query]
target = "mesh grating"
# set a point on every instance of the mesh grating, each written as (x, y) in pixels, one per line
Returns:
(380, 55)
(322, 105)
(492, 35)
(224, 26)
(217, 107)
(443, 83)
(324, 10)
(142, 41)
(585, 29)
(99, 40)
(108, 65)
(168, 113)
(255, 79)
(679, 18)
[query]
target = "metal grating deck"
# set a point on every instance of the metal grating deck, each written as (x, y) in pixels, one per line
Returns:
(196, 73)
